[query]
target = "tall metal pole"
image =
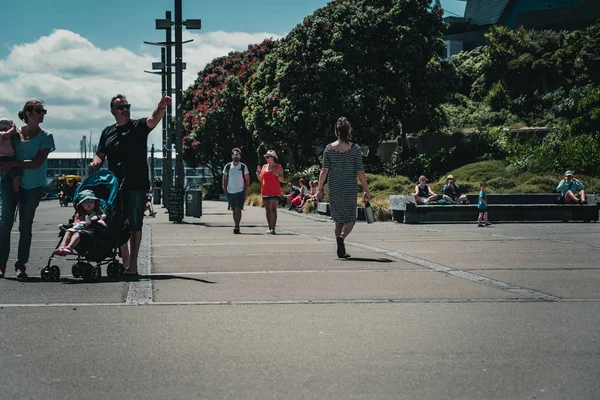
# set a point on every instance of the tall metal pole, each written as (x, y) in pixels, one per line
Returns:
(179, 171)
(168, 166)
(152, 150)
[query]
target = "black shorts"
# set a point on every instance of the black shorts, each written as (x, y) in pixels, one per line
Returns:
(236, 200)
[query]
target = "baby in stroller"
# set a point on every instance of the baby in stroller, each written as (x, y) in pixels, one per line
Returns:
(95, 233)
(88, 219)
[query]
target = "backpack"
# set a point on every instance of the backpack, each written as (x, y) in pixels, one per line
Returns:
(228, 166)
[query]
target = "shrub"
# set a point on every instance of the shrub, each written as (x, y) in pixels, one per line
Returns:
(254, 200)
(211, 190)
(476, 172)
(501, 183)
(381, 208)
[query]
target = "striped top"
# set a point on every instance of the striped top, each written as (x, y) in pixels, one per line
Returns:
(343, 189)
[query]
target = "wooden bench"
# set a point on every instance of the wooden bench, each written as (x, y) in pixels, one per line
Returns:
(502, 208)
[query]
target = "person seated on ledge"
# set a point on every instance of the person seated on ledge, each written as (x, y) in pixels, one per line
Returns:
(423, 193)
(568, 189)
(294, 191)
(452, 192)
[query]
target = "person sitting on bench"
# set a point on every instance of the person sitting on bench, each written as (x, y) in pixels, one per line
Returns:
(423, 193)
(452, 192)
(568, 189)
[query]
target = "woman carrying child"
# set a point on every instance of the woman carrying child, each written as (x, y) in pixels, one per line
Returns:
(32, 146)
(88, 219)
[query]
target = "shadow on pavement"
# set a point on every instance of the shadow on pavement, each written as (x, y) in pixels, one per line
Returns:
(364, 259)
(105, 279)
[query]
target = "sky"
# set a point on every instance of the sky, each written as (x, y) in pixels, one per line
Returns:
(76, 54)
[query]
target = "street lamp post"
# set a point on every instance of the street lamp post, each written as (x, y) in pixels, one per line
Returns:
(179, 67)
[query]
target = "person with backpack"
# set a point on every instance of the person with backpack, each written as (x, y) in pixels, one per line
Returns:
(236, 180)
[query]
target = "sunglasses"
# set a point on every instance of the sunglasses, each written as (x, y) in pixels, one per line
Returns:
(40, 111)
(122, 107)
(236, 154)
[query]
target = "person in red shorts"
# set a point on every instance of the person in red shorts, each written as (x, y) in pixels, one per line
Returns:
(270, 176)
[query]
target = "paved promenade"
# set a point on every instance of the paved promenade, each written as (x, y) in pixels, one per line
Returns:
(510, 311)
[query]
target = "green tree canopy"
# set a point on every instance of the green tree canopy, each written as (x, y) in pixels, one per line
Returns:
(377, 62)
(214, 103)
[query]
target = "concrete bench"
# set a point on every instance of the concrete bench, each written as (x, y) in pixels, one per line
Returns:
(323, 208)
(502, 208)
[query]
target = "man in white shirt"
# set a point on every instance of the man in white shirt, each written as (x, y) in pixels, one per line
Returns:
(236, 179)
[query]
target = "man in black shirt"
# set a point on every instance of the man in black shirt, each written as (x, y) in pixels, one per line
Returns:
(125, 144)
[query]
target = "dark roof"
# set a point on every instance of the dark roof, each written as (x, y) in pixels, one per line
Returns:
(485, 12)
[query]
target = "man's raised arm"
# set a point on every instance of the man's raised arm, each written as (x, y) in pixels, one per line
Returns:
(158, 114)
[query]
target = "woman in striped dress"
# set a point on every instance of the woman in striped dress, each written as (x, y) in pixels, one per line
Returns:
(342, 162)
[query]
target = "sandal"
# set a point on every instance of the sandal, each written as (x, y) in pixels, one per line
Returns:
(2, 273)
(21, 275)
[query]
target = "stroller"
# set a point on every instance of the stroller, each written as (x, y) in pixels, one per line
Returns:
(102, 247)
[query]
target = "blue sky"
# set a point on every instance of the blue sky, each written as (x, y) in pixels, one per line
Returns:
(74, 54)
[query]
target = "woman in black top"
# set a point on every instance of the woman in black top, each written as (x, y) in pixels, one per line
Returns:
(423, 193)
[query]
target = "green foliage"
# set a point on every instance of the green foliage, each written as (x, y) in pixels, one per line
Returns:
(213, 119)
(377, 62)
(211, 191)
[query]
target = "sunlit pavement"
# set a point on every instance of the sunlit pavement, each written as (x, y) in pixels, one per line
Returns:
(428, 311)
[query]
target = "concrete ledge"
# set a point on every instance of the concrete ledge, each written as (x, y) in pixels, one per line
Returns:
(323, 208)
(517, 208)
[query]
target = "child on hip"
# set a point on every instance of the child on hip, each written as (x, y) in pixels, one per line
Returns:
(7, 151)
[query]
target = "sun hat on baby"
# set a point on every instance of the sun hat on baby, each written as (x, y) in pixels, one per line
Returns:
(86, 194)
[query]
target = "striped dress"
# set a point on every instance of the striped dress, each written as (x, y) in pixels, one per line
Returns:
(343, 189)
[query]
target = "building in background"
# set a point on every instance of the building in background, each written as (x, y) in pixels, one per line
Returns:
(467, 32)
(72, 163)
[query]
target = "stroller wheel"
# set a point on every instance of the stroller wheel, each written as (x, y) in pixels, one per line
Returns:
(113, 269)
(87, 272)
(54, 273)
(45, 274)
(97, 273)
(76, 270)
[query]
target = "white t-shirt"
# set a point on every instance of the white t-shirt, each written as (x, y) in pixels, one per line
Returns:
(235, 179)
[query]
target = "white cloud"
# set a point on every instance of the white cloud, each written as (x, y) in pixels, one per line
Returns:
(76, 79)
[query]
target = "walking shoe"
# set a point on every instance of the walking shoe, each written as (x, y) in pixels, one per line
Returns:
(236, 231)
(268, 232)
(21, 275)
(273, 231)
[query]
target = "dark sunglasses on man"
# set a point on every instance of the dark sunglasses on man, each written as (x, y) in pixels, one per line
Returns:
(121, 107)
(40, 111)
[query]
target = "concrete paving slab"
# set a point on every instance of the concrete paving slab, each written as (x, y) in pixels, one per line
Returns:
(568, 284)
(367, 351)
(68, 290)
(274, 262)
(531, 259)
(316, 285)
